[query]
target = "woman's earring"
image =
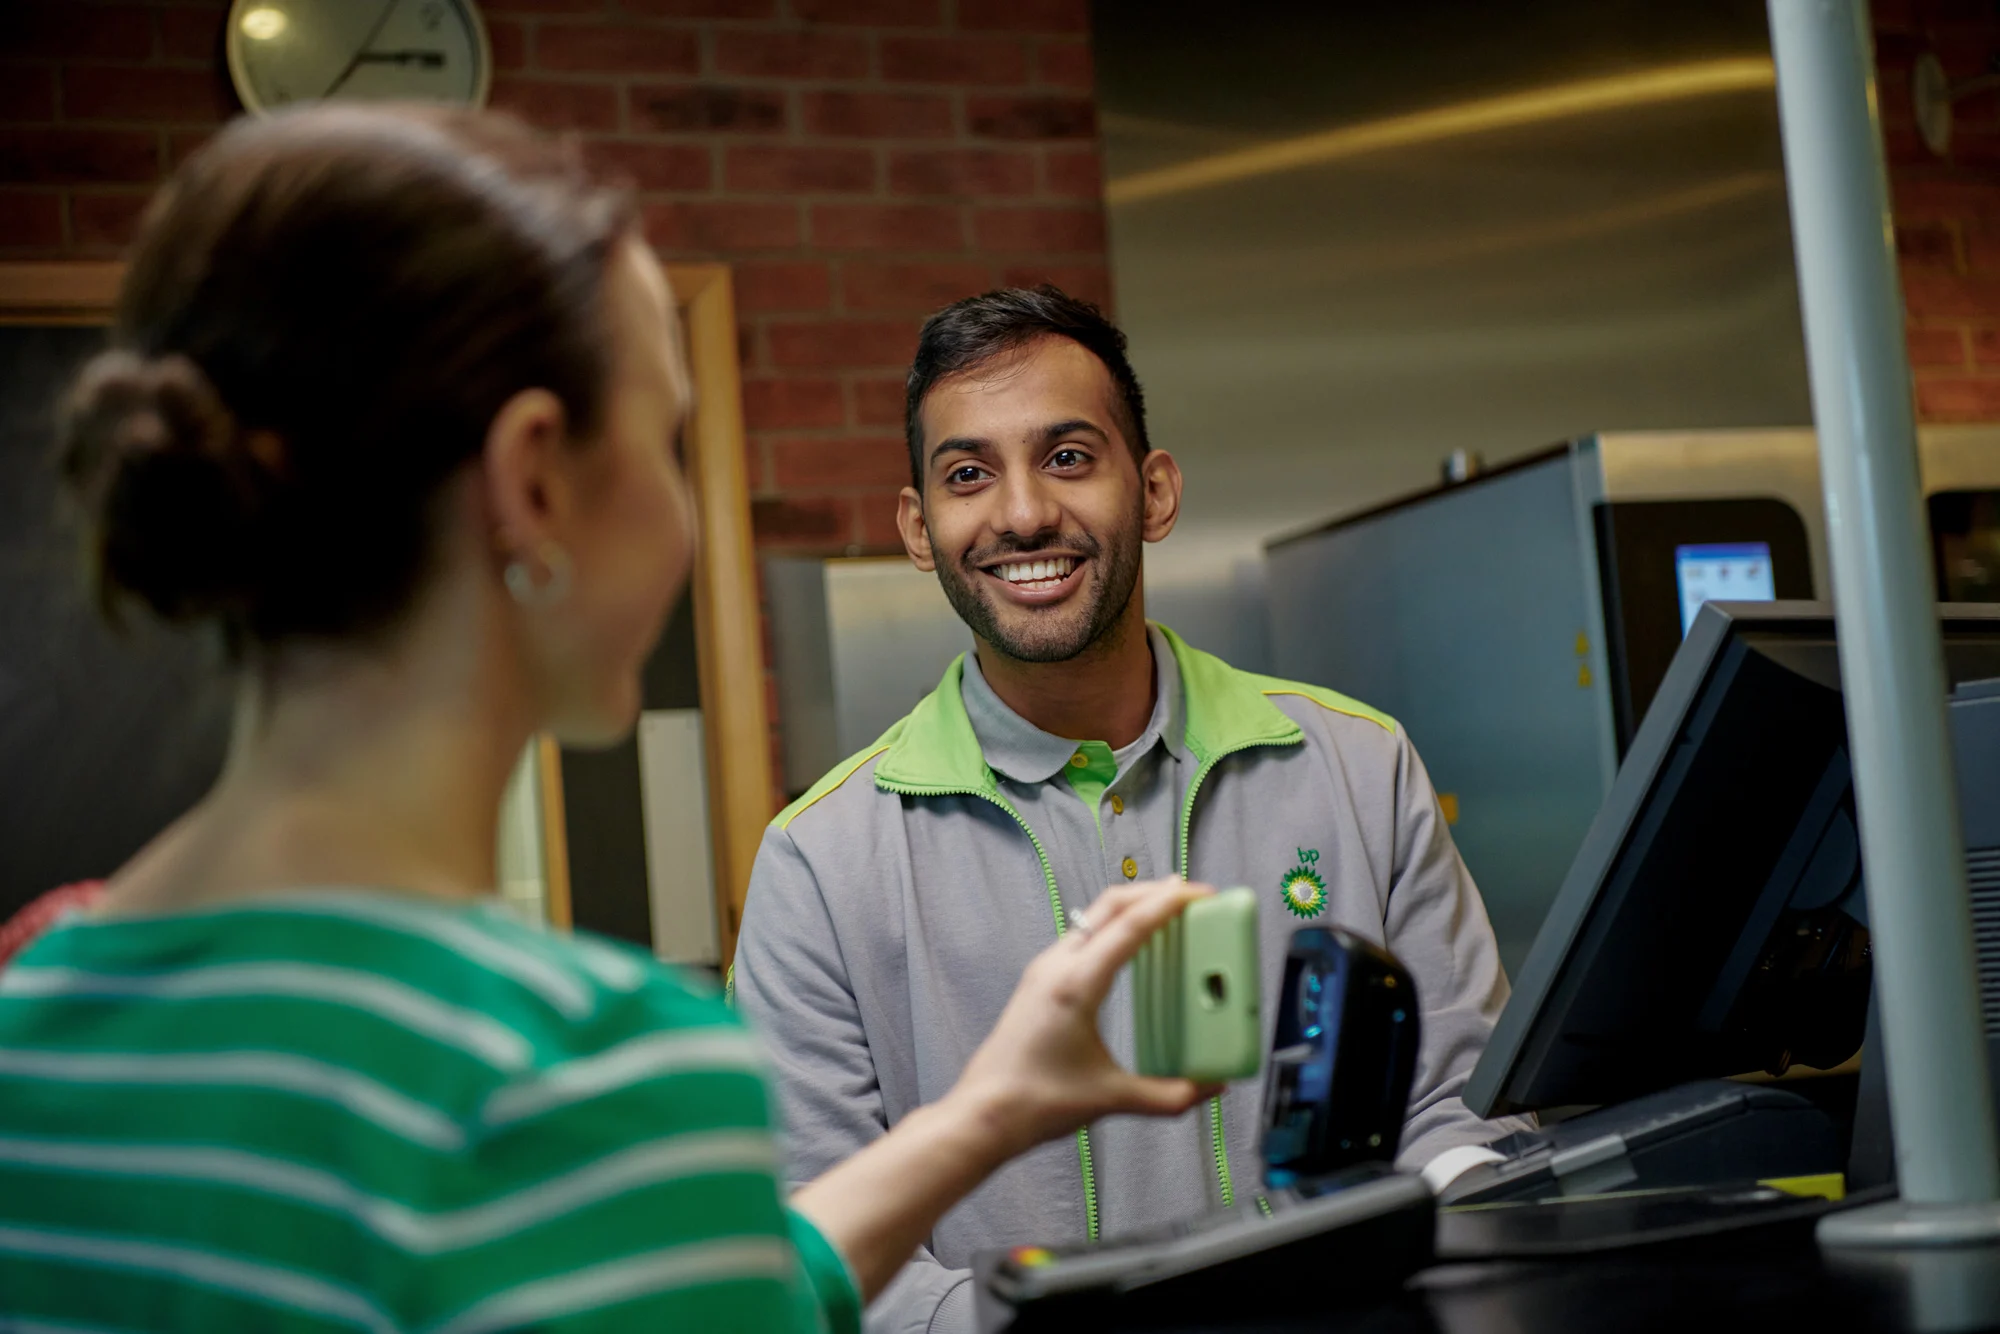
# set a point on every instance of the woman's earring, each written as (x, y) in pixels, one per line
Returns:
(550, 586)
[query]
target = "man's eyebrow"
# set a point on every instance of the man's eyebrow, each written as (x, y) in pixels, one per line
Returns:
(962, 444)
(1051, 434)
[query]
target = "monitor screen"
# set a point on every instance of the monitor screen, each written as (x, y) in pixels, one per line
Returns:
(1713, 922)
(1722, 572)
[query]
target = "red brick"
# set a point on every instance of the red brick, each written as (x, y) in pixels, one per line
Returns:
(954, 60)
(1064, 63)
(823, 521)
(557, 106)
(792, 404)
(810, 464)
(875, 13)
(800, 170)
(962, 173)
(1931, 245)
(702, 9)
(615, 48)
(1982, 246)
(720, 228)
(509, 40)
(791, 285)
(192, 34)
(1073, 175)
(110, 92)
(878, 402)
(1986, 346)
(30, 220)
(875, 516)
(1039, 229)
(27, 94)
(1091, 282)
(912, 288)
(1031, 117)
(1929, 294)
(105, 221)
(1936, 347)
(1933, 197)
(792, 55)
(887, 227)
(63, 156)
(650, 166)
(1025, 15)
(839, 344)
(682, 108)
(1959, 399)
(63, 29)
(878, 115)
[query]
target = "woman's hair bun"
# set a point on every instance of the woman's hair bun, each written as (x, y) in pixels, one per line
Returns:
(169, 493)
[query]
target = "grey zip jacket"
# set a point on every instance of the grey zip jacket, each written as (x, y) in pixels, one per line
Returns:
(894, 906)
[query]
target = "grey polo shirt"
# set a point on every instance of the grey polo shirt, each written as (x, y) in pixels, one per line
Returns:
(1107, 820)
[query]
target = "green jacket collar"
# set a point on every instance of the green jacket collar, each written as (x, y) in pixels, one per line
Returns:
(934, 751)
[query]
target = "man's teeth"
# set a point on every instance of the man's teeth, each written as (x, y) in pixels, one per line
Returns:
(1037, 571)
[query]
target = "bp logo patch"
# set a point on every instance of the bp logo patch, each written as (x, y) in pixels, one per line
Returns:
(1303, 888)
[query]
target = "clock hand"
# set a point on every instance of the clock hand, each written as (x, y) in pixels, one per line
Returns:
(427, 59)
(374, 31)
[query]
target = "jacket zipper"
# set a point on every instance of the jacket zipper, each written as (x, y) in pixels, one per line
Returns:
(1085, 1165)
(1217, 1140)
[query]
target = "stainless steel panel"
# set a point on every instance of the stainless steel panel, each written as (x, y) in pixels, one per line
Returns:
(1473, 620)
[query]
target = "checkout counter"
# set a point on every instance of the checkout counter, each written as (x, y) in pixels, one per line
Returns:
(1709, 945)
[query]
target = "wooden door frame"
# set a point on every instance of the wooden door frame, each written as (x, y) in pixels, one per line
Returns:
(728, 632)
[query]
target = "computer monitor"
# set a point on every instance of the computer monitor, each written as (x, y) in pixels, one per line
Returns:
(1713, 922)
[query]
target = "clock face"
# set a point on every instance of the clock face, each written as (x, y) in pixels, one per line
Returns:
(286, 51)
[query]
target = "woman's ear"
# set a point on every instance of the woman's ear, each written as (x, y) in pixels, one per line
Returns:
(528, 492)
(1161, 477)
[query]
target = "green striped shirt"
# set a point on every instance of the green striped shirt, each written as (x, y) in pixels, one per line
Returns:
(355, 1110)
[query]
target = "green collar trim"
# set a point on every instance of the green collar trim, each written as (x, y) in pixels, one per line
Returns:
(934, 749)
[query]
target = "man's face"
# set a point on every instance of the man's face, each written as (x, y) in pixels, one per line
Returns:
(1033, 509)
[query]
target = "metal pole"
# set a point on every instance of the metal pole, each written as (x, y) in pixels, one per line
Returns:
(1891, 660)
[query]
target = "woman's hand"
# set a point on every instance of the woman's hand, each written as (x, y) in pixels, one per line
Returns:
(1044, 1070)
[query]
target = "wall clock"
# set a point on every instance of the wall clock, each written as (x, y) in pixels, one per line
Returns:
(286, 51)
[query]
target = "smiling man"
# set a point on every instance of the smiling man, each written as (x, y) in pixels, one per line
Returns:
(893, 907)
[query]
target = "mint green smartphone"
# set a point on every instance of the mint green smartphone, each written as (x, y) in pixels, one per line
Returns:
(1195, 988)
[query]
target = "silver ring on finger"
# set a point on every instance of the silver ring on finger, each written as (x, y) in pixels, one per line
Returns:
(1080, 922)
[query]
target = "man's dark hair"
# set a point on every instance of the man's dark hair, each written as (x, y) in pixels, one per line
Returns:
(970, 333)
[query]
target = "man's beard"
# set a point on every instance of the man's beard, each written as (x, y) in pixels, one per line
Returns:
(1055, 633)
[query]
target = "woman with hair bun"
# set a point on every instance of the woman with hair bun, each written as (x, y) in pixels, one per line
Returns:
(392, 405)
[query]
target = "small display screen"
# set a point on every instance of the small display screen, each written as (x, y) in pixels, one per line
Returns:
(1722, 572)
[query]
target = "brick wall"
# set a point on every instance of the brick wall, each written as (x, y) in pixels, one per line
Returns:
(1947, 209)
(859, 163)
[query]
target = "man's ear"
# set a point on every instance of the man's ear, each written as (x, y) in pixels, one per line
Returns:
(916, 533)
(528, 493)
(1161, 477)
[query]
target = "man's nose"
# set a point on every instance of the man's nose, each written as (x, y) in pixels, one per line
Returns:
(1028, 503)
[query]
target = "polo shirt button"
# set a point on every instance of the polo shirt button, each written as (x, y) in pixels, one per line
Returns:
(1118, 805)
(1078, 760)
(1130, 868)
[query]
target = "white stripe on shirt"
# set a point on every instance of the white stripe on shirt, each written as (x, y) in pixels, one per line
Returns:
(245, 1278)
(631, 1062)
(690, 1266)
(706, 1153)
(278, 1071)
(468, 1030)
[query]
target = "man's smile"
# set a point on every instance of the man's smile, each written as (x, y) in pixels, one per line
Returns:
(1037, 580)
